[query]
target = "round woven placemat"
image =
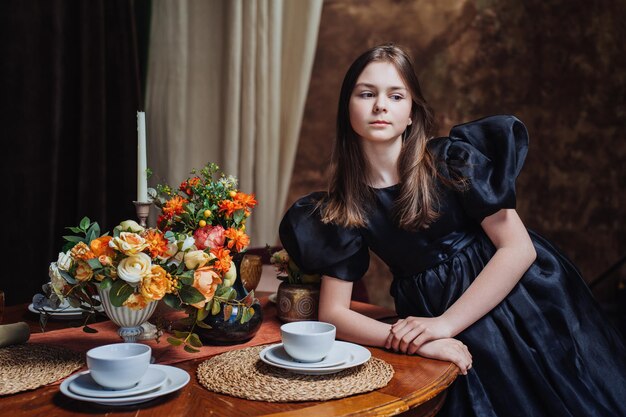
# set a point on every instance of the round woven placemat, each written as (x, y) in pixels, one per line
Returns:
(242, 374)
(28, 366)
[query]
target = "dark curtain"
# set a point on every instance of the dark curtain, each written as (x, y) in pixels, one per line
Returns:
(69, 91)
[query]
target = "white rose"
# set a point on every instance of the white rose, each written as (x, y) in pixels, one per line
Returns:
(64, 262)
(130, 226)
(56, 279)
(134, 268)
(196, 259)
(188, 243)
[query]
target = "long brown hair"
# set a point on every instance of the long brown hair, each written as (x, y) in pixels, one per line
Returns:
(349, 194)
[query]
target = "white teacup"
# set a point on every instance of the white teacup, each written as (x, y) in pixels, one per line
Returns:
(120, 365)
(308, 341)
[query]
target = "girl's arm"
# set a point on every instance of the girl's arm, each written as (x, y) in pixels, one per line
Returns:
(514, 254)
(334, 307)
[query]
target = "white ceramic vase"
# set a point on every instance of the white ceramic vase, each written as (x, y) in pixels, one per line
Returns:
(129, 320)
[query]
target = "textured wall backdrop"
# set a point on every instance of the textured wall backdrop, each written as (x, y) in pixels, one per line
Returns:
(558, 65)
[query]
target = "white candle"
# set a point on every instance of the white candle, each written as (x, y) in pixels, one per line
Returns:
(142, 165)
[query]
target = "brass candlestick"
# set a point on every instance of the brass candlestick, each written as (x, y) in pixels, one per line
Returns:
(143, 210)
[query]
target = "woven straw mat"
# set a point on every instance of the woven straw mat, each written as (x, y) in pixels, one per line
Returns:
(29, 366)
(242, 374)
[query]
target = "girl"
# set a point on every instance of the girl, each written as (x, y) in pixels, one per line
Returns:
(472, 284)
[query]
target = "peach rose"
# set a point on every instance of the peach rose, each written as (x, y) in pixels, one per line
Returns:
(128, 243)
(206, 281)
(135, 302)
(83, 271)
(105, 260)
(154, 286)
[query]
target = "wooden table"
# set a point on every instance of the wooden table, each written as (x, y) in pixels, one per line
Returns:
(417, 389)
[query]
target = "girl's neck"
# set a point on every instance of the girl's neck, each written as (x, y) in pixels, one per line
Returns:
(382, 159)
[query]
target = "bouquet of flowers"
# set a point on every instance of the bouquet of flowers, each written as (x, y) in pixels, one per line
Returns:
(206, 219)
(129, 263)
(288, 271)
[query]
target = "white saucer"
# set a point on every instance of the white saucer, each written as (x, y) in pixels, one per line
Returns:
(337, 355)
(358, 355)
(64, 313)
(176, 379)
(85, 385)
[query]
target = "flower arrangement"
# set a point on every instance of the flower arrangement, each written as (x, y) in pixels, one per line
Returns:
(287, 270)
(187, 261)
(206, 218)
(130, 263)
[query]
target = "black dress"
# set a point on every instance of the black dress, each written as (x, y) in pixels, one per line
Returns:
(546, 349)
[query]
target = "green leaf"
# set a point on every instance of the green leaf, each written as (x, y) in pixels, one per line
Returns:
(190, 295)
(94, 263)
(221, 291)
(232, 294)
(88, 329)
(84, 223)
(174, 342)
(70, 279)
(120, 291)
(180, 335)
(239, 314)
(194, 340)
(203, 325)
(228, 311)
(75, 239)
(186, 277)
(203, 313)
(238, 216)
(94, 230)
(75, 229)
(215, 309)
(106, 283)
(248, 299)
(190, 349)
(172, 301)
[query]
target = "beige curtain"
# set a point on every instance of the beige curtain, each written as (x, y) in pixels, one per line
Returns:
(227, 83)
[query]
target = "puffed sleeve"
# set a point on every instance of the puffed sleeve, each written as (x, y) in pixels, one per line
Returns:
(489, 154)
(319, 248)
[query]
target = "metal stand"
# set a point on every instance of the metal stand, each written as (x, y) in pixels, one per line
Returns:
(143, 210)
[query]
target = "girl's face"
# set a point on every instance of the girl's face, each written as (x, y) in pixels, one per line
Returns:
(380, 104)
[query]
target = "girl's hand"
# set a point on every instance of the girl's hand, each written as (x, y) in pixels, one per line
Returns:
(409, 334)
(451, 350)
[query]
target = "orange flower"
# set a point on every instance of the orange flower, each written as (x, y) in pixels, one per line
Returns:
(228, 207)
(246, 200)
(223, 259)
(83, 272)
(154, 286)
(206, 281)
(174, 205)
(135, 302)
(237, 238)
(82, 251)
(157, 244)
(100, 247)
